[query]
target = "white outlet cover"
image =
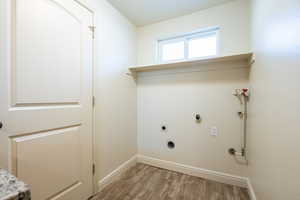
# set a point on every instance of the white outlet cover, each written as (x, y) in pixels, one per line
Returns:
(214, 131)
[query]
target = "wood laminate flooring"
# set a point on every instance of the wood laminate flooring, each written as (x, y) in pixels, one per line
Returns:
(144, 182)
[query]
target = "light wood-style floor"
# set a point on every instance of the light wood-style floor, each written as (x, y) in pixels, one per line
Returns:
(144, 182)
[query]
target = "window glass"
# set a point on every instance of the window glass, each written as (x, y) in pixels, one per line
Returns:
(173, 51)
(202, 46)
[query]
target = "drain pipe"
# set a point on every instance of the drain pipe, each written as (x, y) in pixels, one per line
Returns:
(243, 96)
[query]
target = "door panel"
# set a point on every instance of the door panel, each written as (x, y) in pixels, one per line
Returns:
(46, 50)
(47, 69)
(56, 166)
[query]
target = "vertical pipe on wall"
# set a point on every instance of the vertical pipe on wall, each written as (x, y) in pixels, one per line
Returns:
(243, 96)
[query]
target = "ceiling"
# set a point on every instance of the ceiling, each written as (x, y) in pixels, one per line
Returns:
(144, 12)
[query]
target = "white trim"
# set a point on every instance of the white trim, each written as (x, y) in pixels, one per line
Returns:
(251, 190)
(194, 171)
(117, 173)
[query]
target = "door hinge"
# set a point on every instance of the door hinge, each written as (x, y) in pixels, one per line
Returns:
(94, 169)
(92, 28)
(93, 101)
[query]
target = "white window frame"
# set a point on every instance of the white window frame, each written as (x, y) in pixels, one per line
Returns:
(186, 37)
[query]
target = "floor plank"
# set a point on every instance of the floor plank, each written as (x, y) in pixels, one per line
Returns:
(144, 182)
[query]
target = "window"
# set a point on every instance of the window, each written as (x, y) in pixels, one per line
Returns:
(189, 46)
(173, 51)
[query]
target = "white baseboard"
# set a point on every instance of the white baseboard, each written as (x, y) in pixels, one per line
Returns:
(117, 173)
(194, 171)
(251, 190)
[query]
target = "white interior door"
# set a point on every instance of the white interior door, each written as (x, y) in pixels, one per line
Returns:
(46, 50)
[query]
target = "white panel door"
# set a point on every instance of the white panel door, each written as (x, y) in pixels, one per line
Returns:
(46, 64)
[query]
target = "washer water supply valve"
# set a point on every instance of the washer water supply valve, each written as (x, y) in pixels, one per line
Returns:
(242, 94)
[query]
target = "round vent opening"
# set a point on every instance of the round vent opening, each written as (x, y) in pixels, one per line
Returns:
(171, 145)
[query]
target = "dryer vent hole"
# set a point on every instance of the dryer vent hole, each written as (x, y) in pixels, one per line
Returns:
(171, 145)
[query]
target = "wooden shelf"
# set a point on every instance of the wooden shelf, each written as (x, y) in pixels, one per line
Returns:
(247, 58)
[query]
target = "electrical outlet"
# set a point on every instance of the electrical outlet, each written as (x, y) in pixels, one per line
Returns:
(214, 131)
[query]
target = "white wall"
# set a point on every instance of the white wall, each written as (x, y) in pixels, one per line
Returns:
(172, 98)
(232, 18)
(274, 106)
(115, 117)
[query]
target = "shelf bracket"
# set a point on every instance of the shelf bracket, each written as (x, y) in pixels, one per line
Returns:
(132, 74)
(252, 60)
